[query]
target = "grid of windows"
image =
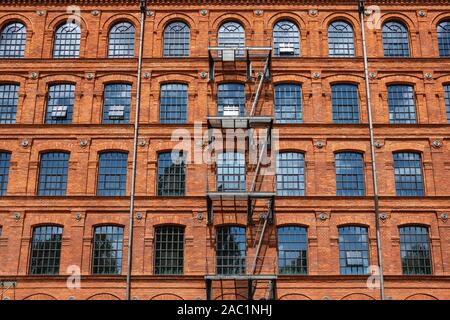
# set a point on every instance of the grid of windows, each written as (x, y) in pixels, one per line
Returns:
(9, 96)
(229, 97)
(12, 40)
(177, 38)
(107, 250)
(121, 41)
(171, 173)
(292, 250)
(408, 174)
(112, 174)
(447, 101)
(53, 174)
(286, 39)
(353, 250)
(232, 35)
(290, 174)
(230, 250)
(67, 41)
(60, 101)
(415, 250)
(443, 35)
(117, 103)
(341, 42)
(174, 102)
(349, 174)
(395, 39)
(230, 171)
(345, 103)
(288, 103)
(45, 250)
(169, 250)
(402, 105)
(5, 158)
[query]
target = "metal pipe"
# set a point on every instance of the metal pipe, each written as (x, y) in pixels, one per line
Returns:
(143, 8)
(372, 150)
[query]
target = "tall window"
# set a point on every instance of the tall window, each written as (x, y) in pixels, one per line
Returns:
(112, 174)
(402, 105)
(107, 250)
(353, 250)
(12, 40)
(288, 103)
(117, 103)
(121, 40)
(9, 96)
(177, 38)
(174, 102)
(232, 35)
(231, 99)
(286, 39)
(341, 42)
(45, 250)
(230, 171)
(292, 250)
(53, 174)
(60, 101)
(5, 158)
(169, 250)
(67, 41)
(395, 39)
(415, 250)
(443, 35)
(171, 174)
(349, 174)
(447, 101)
(290, 174)
(408, 174)
(230, 250)
(345, 102)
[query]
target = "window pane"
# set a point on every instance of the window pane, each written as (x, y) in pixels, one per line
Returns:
(353, 250)
(415, 250)
(288, 103)
(443, 35)
(171, 174)
(112, 174)
(408, 174)
(290, 174)
(349, 174)
(67, 41)
(121, 41)
(107, 250)
(53, 174)
(340, 40)
(174, 101)
(5, 158)
(12, 40)
(447, 101)
(9, 96)
(395, 40)
(45, 250)
(230, 171)
(117, 103)
(230, 251)
(229, 97)
(177, 40)
(60, 101)
(402, 105)
(345, 103)
(292, 250)
(286, 39)
(169, 250)
(232, 35)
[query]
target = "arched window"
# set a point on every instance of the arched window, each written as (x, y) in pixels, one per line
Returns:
(292, 250)
(112, 174)
(349, 174)
(171, 173)
(45, 253)
(341, 42)
(402, 104)
(177, 40)
(345, 103)
(169, 250)
(290, 174)
(231, 250)
(117, 103)
(408, 174)
(443, 36)
(9, 97)
(230, 171)
(174, 103)
(107, 250)
(288, 103)
(286, 39)
(121, 41)
(12, 40)
(353, 250)
(67, 41)
(232, 35)
(60, 101)
(415, 250)
(53, 171)
(395, 39)
(5, 158)
(231, 99)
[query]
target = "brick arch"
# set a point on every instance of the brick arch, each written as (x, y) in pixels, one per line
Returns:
(286, 15)
(410, 25)
(290, 78)
(347, 17)
(40, 296)
(297, 150)
(173, 17)
(166, 296)
(236, 17)
(344, 78)
(441, 17)
(12, 78)
(61, 19)
(294, 296)
(50, 146)
(175, 77)
(116, 77)
(357, 296)
(103, 296)
(63, 78)
(117, 18)
(421, 296)
(406, 146)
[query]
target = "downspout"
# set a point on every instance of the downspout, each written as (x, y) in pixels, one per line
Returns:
(372, 150)
(143, 9)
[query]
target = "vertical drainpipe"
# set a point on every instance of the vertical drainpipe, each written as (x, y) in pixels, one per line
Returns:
(143, 9)
(372, 150)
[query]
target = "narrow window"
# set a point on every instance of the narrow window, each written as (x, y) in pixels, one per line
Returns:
(53, 172)
(447, 101)
(60, 101)
(402, 105)
(345, 103)
(117, 103)
(9, 97)
(290, 174)
(177, 38)
(341, 41)
(230, 174)
(45, 250)
(67, 41)
(286, 39)
(288, 103)
(171, 174)
(174, 102)
(349, 174)
(12, 41)
(415, 250)
(231, 99)
(112, 174)
(107, 250)
(408, 174)
(5, 158)
(121, 41)
(353, 250)
(292, 250)
(395, 39)
(169, 250)
(231, 250)
(443, 35)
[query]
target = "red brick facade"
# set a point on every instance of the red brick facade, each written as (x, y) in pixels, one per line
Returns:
(21, 209)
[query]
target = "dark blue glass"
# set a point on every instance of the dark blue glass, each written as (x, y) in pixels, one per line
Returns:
(45, 253)
(290, 174)
(408, 174)
(230, 250)
(60, 101)
(353, 250)
(288, 103)
(67, 41)
(447, 101)
(121, 40)
(402, 105)
(415, 250)
(292, 250)
(107, 250)
(443, 36)
(230, 171)
(177, 38)
(53, 174)
(230, 95)
(13, 38)
(171, 174)
(169, 250)
(345, 103)
(112, 174)
(231, 35)
(341, 41)
(395, 39)
(5, 158)
(287, 37)
(9, 96)
(117, 103)
(349, 174)
(174, 103)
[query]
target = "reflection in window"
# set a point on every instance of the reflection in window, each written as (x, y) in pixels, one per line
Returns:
(415, 250)
(60, 101)
(290, 174)
(288, 103)
(9, 97)
(230, 250)
(53, 170)
(174, 102)
(107, 253)
(117, 103)
(177, 37)
(230, 171)
(292, 250)
(353, 250)
(12, 40)
(408, 174)
(67, 41)
(341, 41)
(45, 250)
(112, 174)
(443, 35)
(345, 103)
(121, 41)
(286, 39)
(395, 39)
(402, 105)
(171, 174)
(169, 250)
(349, 174)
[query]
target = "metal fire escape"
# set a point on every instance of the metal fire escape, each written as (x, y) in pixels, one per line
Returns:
(229, 57)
